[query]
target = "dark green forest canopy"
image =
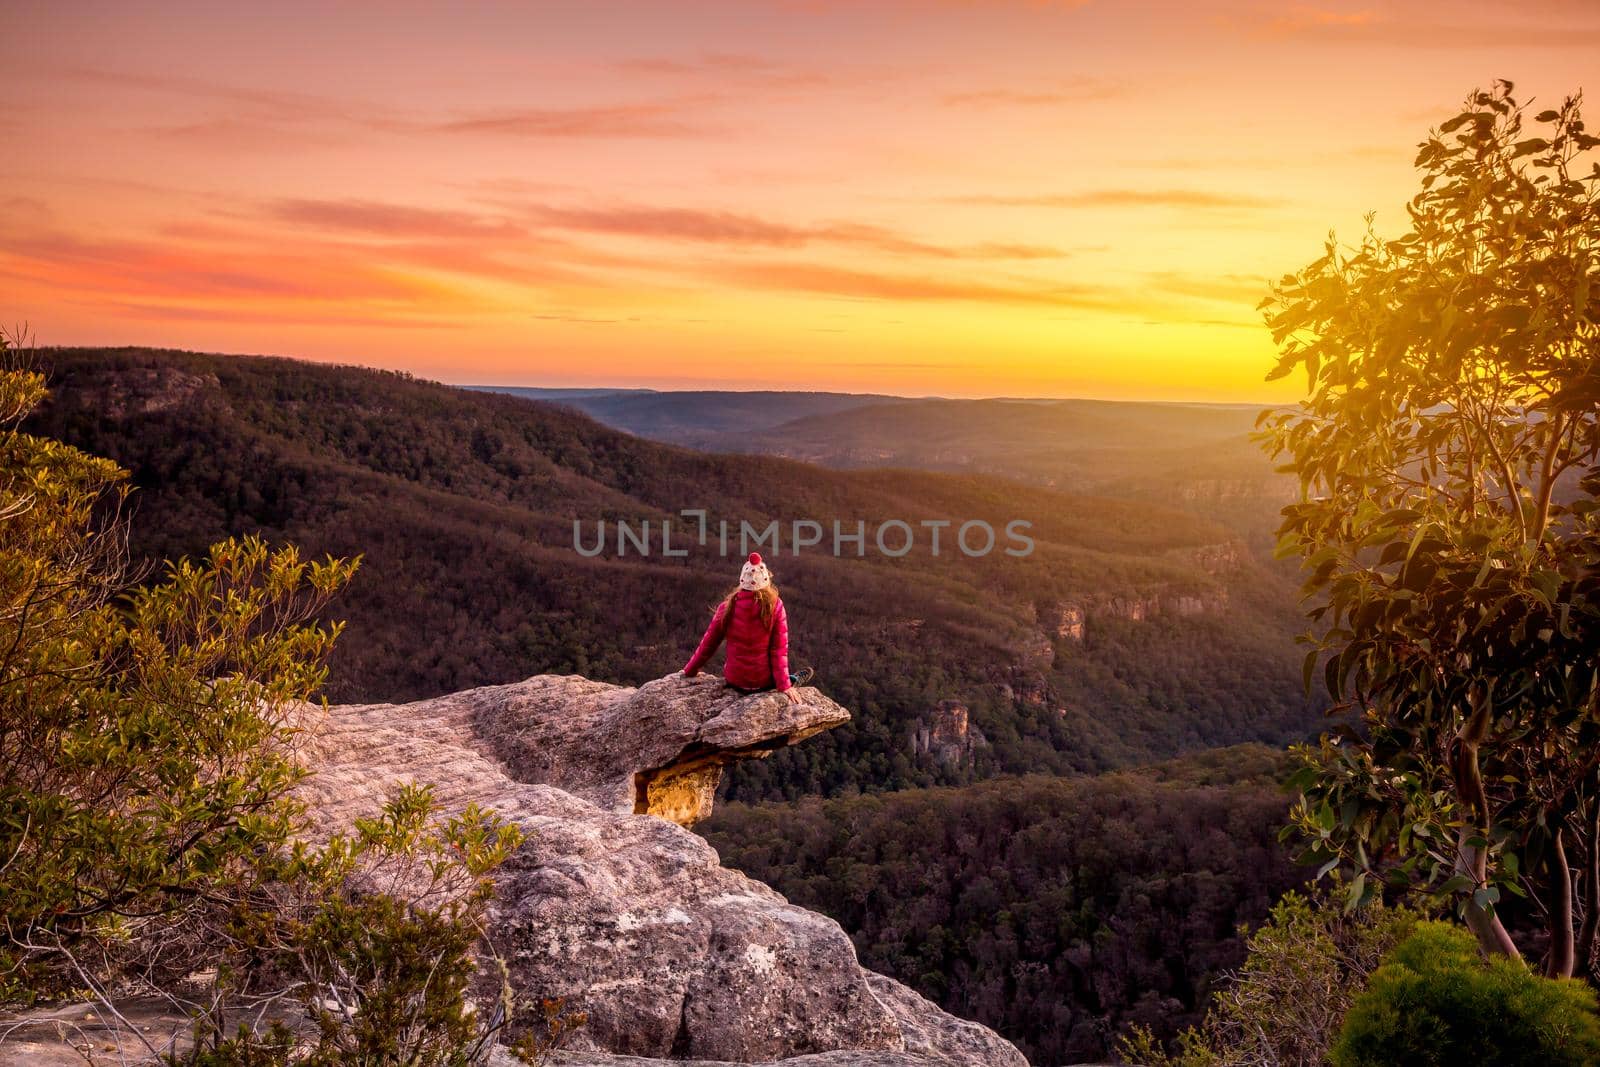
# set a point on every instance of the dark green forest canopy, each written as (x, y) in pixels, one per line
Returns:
(1058, 911)
(462, 505)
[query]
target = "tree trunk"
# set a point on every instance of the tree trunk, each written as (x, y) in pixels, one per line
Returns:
(1471, 860)
(1583, 951)
(1562, 958)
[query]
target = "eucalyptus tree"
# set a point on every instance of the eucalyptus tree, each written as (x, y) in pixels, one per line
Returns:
(1446, 452)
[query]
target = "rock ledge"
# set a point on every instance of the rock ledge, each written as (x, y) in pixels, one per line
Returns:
(633, 919)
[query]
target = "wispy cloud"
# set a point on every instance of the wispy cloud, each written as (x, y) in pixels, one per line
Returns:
(732, 228)
(240, 113)
(725, 68)
(870, 285)
(1371, 26)
(661, 223)
(582, 320)
(379, 219)
(238, 135)
(1042, 6)
(282, 104)
(276, 316)
(861, 235)
(635, 120)
(1133, 198)
(1071, 91)
(396, 237)
(1310, 19)
(1226, 288)
(132, 267)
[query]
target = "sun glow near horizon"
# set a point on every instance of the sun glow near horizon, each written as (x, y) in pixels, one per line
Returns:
(914, 196)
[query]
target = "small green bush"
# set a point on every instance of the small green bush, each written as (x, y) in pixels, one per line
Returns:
(378, 935)
(1436, 1002)
(1284, 1007)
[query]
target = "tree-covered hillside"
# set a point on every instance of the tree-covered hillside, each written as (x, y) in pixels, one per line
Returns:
(698, 418)
(1195, 457)
(463, 503)
(1058, 911)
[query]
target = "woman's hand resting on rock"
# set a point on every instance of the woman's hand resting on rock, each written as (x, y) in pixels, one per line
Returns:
(793, 695)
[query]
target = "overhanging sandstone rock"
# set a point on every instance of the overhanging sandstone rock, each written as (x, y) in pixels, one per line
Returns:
(658, 749)
(634, 920)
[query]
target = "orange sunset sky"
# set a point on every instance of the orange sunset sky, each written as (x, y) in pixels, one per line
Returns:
(912, 196)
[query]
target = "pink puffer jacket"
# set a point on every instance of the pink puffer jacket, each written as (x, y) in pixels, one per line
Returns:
(758, 654)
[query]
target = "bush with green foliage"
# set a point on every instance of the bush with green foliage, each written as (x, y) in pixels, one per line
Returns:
(377, 937)
(150, 840)
(144, 734)
(1436, 1001)
(1284, 1007)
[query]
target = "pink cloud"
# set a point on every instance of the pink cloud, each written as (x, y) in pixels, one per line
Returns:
(731, 228)
(1095, 198)
(868, 285)
(643, 120)
(390, 220)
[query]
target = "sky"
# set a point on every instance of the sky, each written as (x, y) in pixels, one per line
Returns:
(1011, 197)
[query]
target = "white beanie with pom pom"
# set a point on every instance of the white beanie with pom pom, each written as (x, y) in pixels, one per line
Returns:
(754, 574)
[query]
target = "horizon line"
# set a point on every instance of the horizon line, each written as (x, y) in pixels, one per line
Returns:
(502, 386)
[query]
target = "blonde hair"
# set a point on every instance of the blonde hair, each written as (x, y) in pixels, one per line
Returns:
(767, 594)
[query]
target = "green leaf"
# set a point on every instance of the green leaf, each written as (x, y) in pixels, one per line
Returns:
(1357, 893)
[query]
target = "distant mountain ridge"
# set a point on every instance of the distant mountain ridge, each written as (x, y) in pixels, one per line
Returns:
(1196, 456)
(705, 418)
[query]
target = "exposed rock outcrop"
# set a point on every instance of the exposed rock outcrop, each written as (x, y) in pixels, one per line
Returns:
(144, 390)
(1069, 620)
(633, 919)
(947, 734)
(1224, 557)
(656, 750)
(1064, 622)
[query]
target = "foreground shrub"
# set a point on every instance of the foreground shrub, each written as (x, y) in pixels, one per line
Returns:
(1436, 1001)
(1284, 1008)
(145, 757)
(378, 938)
(150, 840)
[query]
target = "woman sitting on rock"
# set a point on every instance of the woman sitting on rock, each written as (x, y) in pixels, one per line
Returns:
(752, 620)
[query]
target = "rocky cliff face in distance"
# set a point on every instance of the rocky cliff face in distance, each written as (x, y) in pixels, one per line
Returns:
(1070, 620)
(947, 734)
(610, 903)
